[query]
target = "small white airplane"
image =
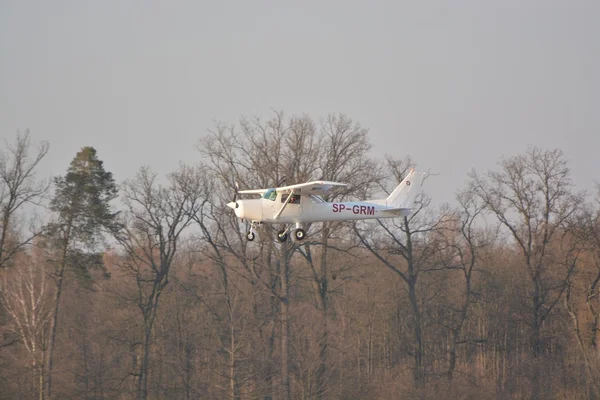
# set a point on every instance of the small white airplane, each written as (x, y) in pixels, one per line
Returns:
(301, 203)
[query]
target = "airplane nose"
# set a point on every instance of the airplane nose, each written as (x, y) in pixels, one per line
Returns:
(238, 206)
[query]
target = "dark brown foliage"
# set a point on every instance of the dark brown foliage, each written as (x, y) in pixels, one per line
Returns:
(494, 298)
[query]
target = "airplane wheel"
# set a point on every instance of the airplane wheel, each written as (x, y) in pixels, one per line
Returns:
(250, 236)
(282, 236)
(299, 234)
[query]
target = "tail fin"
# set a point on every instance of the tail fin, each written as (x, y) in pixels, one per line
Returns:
(406, 192)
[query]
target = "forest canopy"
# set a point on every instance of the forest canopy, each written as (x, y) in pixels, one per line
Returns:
(148, 288)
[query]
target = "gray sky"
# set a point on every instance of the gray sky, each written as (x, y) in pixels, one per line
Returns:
(455, 84)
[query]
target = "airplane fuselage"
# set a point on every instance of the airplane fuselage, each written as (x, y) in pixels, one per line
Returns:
(309, 210)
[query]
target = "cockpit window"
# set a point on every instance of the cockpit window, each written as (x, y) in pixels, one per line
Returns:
(294, 200)
(270, 194)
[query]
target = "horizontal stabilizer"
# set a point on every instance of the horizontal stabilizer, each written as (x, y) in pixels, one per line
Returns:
(397, 211)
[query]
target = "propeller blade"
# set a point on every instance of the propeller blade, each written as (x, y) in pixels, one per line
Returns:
(237, 188)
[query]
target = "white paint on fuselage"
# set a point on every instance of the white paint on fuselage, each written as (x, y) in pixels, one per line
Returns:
(312, 209)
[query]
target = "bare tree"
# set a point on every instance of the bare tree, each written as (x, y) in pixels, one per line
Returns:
(212, 245)
(18, 187)
(25, 295)
(274, 152)
(582, 299)
(343, 157)
(251, 155)
(461, 245)
(156, 219)
(531, 196)
(259, 156)
(405, 247)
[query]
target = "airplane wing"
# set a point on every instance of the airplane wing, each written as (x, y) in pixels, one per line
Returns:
(314, 187)
(253, 191)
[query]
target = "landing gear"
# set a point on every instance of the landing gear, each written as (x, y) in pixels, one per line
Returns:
(282, 235)
(299, 234)
(251, 235)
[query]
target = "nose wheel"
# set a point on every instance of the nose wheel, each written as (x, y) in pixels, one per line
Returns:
(251, 234)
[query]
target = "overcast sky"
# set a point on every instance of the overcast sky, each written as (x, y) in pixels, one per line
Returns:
(454, 84)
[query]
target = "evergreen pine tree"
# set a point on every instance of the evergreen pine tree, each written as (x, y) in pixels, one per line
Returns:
(82, 207)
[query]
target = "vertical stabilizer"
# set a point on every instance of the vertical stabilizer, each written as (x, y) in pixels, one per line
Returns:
(406, 192)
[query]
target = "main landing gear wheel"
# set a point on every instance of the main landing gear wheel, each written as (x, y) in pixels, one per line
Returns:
(299, 234)
(250, 236)
(282, 236)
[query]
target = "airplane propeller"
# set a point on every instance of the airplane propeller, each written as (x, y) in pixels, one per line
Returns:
(233, 204)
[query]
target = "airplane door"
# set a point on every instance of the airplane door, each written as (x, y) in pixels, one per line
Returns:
(294, 206)
(273, 207)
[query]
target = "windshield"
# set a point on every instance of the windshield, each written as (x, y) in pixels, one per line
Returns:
(270, 194)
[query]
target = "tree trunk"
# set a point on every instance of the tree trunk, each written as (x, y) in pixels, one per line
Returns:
(51, 344)
(149, 318)
(284, 300)
(57, 296)
(456, 333)
(320, 288)
(419, 374)
(417, 332)
(143, 374)
(323, 344)
(591, 382)
(233, 385)
(86, 368)
(39, 369)
(536, 341)
(452, 360)
(3, 235)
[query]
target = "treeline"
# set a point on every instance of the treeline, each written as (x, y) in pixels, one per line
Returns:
(148, 289)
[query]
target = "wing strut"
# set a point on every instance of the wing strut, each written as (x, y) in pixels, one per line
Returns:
(290, 192)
